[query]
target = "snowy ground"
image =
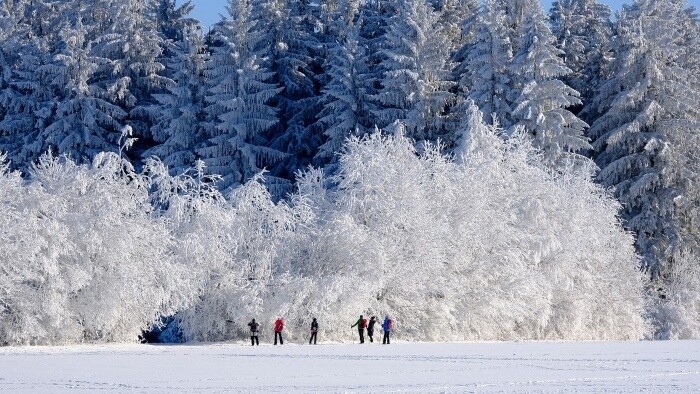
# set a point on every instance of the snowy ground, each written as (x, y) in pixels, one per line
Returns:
(513, 367)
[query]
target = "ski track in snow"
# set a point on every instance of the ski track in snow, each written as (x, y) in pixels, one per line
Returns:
(499, 367)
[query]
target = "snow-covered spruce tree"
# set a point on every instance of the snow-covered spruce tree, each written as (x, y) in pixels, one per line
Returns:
(345, 96)
(172, 21)
(541, 108)
(177, 129)
(645, 141)
(27, 101)
(240, 99)
(82, 120)
(92, 264)
(416, 86)
(583, 31)
(484, 76)
(289, 49)
(457, 18)
(482, 270)
(127, 37)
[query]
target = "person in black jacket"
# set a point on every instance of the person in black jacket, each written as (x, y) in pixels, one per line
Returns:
(254, 333)
(314, 331)
(370, 327)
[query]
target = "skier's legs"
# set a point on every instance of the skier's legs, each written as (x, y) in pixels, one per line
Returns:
(252, 340)
(257, 341)
(362, 335)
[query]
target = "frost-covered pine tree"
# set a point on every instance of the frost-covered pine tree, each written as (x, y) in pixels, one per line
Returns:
(83, 123)
(541, 108)
(457, 19)
(177, 128)
(416, 81)
(131, 41)
(583, 30)
(288, 48)
(172, 21)
(240, 96)
(645, 140)
(484, 73)
(31, 36)
(345, 96)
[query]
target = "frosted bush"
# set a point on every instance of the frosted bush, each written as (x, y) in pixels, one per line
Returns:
(83, 257)
(678, 314)
(492, 248)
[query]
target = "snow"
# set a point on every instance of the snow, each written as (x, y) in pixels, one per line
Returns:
(491, 367)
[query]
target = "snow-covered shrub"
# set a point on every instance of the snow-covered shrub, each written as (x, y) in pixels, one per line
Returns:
(229, 246)
(492, 246)
(678, 314)
(83, 257)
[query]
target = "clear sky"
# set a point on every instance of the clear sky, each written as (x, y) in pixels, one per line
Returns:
(208, 11)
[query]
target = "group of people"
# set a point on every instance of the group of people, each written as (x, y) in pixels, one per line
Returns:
(361, 324)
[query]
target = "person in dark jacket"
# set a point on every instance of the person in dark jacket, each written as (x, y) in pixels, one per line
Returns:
(361, 324)
(279, 326)
(314, 331)
(254, 333)
(387, 326)
(370, 327)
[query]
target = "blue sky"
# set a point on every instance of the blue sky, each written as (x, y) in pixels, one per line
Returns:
(208, 11)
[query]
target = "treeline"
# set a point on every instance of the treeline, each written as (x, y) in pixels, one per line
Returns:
(281, 84)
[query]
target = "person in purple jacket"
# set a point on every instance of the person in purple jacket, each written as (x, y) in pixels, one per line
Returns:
(387, 325)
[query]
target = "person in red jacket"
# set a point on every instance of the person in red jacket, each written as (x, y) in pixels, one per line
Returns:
(279, 326)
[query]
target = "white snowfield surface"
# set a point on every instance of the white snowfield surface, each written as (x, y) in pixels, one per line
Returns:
(512, 367)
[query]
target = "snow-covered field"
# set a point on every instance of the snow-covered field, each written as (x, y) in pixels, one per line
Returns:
(524, 367)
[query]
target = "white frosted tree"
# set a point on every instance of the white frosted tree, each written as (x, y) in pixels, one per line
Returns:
(645, 141)
(240, 94)
(543, 102)
(94, 265)
(416, 85)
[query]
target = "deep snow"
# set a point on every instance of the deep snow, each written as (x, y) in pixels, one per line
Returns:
(521, 367)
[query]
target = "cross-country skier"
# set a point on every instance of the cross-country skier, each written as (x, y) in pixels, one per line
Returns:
(279, 326)
(254, 333)
(370, 327)
(361, 324)
(387, 326)
(314, 331)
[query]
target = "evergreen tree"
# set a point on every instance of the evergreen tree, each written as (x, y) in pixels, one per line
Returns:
(583, 30)
(239, 97)
(542, 106)
(287, 48)
(83, 121)
(177, 128)
(130, 40)
(171, 21)
(484, 72)
(644, 140)
(416, 86)
(344, 97)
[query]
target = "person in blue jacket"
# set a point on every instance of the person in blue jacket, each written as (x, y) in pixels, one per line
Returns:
(387, 325)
